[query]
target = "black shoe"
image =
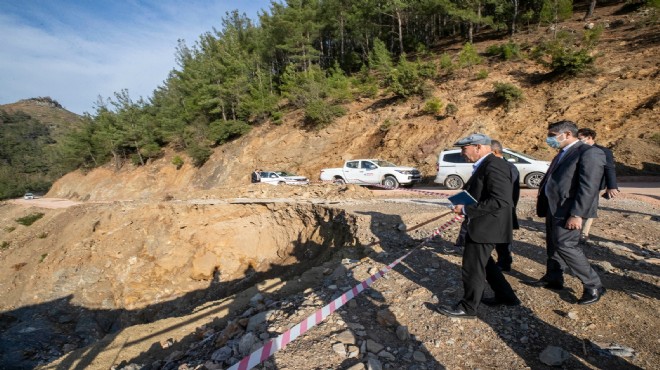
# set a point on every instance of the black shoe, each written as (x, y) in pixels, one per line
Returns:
(591, 296)
(584, 240)
(555, 285)
(455, 311)
(503, 267)
(494, 302)
(457, 249)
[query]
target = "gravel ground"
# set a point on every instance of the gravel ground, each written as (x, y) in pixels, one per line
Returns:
(394, 325)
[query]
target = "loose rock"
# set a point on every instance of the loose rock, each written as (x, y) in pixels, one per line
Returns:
(554, 356)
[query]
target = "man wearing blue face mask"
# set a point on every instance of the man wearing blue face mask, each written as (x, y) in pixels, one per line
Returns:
(566, 197)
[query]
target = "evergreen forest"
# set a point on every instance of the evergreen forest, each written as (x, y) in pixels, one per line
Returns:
(29, 159)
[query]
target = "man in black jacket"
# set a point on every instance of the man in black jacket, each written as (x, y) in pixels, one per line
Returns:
(608, 182)
(504, 257)
(567, 195)
(490, 222)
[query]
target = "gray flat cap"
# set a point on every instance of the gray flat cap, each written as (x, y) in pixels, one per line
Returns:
(474, 139)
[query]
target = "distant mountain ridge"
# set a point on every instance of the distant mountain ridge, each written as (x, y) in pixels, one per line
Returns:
(49, 112)
(33, 140)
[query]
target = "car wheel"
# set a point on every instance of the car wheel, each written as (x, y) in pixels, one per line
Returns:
(339, 181)
(533, 180)
(390, 182)
(281, 183)
(453, 182)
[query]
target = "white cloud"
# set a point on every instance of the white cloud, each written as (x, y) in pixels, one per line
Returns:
(73, 55)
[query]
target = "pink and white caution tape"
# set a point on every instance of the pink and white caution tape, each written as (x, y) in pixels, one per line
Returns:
(276, 344)
(439, 195)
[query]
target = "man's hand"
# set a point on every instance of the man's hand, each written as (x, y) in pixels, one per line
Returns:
(458, 209)
(574, 223)
(611, 193)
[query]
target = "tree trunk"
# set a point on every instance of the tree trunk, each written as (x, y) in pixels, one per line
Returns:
(470, 31)
(590, 12)
(137, 148)
(116, 158)
(512, 27)
(400, 21)
(341, 33)
(89, 150)
(478, 26)
(556, 25)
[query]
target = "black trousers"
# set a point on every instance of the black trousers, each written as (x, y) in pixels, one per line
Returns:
(504, 257)
(479, 268)
(564, 252)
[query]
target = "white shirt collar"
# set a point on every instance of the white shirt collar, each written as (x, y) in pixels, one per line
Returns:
(477, 163)
(569, 145)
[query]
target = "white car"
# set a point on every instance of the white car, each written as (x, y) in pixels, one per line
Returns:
(454, 170)
(281, 178)
(372, 172)
(28, 196)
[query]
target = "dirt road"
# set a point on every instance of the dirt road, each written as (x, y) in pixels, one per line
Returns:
(644, 191)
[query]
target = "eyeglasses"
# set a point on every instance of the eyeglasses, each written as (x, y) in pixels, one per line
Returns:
(553, 134)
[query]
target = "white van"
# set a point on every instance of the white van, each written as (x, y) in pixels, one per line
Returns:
(454, 170)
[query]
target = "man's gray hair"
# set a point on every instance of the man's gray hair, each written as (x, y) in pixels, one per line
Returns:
(496, 146)
(563, 126)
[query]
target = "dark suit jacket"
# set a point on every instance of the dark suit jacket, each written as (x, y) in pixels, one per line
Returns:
(573, 184)
(609, 177)
(490, 220)
(515, 180)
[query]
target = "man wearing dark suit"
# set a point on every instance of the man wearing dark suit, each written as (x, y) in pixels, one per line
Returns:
(566, 196)
(504, 257)
(490, 222)
(608, 183)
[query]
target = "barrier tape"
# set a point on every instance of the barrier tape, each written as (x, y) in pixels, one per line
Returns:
(425, 192)
(276, 344)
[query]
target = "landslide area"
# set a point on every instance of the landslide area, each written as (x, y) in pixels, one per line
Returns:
(77, 274)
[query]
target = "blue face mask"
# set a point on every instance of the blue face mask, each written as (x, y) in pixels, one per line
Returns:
(553, 142)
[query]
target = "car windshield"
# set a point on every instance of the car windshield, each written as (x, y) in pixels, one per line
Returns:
(384, 163)
(284, 173)
(522, 155)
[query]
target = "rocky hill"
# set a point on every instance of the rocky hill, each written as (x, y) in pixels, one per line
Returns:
(49, 112)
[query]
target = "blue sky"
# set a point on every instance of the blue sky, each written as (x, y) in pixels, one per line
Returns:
(75, 51)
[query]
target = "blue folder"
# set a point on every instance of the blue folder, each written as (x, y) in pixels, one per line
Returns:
(463, 198)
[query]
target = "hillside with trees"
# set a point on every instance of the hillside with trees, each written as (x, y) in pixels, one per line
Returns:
(325, 80)
(317, 57)
(32, 151)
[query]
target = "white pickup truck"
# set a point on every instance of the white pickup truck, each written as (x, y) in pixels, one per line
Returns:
(371, 172)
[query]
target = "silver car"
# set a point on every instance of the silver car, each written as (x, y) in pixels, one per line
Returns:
(281, 178)
(454, 170)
